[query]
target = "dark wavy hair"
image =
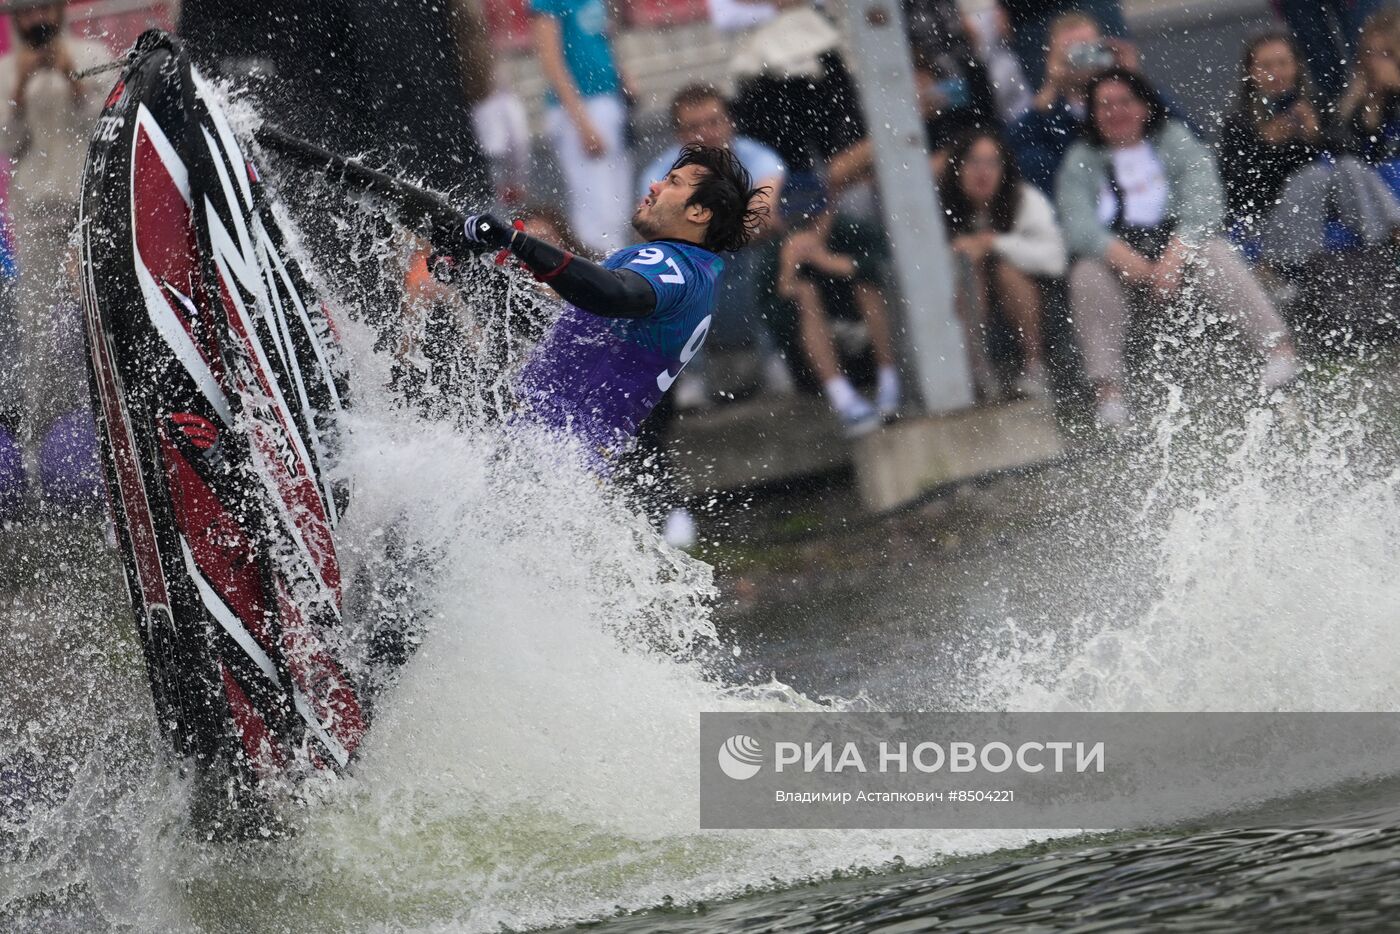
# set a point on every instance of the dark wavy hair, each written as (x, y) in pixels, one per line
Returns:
(726, 188)
(1141, 89)
(1247, 101)
(1005, 203)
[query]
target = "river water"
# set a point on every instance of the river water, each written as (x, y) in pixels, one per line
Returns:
(536, 765)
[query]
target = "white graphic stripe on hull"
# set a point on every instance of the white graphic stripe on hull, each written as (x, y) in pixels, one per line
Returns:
(216, 113)
(268, 466)
(237, 264)
(278, 327)
(232, 625)
(241, 259)
(178, 339)
(336, 750)
(158, 309)
(168, 157)
(226, 618)
(311, 333)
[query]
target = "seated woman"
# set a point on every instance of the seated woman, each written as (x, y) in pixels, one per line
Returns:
(842, 252)
(1004, 235)
(1369, 113)
(1140, 203)
(1277, 186)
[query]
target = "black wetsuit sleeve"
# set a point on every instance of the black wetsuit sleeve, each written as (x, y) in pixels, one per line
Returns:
(610, 293)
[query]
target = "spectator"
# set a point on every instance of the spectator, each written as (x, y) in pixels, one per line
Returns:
(587, 117)
(1370, 112)
(699, 114)
(1327, 50)
(1140, 201)
(48, 112)
(948, 112)
(1013, 92)
(795, 93)
(954, 97)
(503, 128)
(1031, 26)
(833, 261)
(955, 90)
(1276, 184)
(1078, 52)
(1004, 235)
(935, 29)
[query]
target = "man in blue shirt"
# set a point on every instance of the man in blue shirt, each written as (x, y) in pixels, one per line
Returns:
(586, 116)
(631, 324)
(700, 115)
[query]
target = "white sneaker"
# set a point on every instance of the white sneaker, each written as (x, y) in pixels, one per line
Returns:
(679, 529)
(691, 393)
(888, 398)
(1279, 370)
(1112, 415)
(888, 404)
(777, 377)
(859, 418)
(1034, 383)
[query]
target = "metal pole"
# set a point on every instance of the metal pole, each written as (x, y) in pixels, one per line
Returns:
(934, 348)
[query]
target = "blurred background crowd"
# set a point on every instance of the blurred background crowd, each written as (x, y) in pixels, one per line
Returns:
(1084, 185)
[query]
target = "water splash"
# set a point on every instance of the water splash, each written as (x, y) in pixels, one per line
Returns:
(1267, 552)
(536, 762)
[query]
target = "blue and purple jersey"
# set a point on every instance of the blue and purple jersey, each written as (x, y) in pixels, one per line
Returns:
(598, 378)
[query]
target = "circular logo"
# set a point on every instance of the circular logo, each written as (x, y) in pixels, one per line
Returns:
(741, 757)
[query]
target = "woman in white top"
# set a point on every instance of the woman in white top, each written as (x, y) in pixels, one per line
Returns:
(1141, 205)
(1004, 234)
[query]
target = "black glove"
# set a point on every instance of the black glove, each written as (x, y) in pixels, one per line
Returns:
(489, 230)
(453, 242)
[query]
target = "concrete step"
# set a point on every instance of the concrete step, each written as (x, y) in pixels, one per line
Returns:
(756, 442)
(905, 460)
(772, 440)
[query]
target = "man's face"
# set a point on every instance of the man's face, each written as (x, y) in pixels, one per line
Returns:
(705, 122)
(43, 21)
(663, 212)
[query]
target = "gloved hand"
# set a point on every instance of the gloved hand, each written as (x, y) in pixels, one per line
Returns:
(454, 240)
(489, 230)
(449, 238)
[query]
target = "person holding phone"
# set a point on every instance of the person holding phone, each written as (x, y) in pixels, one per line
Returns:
(47, 112)
(1284, 179)
(1078, 51)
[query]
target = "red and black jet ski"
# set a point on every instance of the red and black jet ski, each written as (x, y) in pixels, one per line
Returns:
(218, 398)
